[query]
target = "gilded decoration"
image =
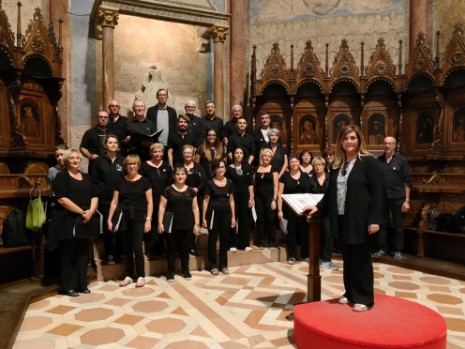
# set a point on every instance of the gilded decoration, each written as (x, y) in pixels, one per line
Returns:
(108, 17)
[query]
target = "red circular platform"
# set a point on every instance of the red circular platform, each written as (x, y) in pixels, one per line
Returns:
(391, 323)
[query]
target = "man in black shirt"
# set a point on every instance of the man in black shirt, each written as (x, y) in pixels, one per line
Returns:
(210, 120)
(139, 125)
(92, 141)
(177, 140)
(241, 139)
(230, 127)
(118, 123)
(196, 124)
(397, 188)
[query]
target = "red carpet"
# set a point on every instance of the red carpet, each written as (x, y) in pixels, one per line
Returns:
(391, 323)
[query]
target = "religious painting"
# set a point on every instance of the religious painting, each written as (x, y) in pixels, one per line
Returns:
(458, 132)
(28, 121)
(276, 121)
(425, 128)
(339, 122)
(376, 129)
(307, 130)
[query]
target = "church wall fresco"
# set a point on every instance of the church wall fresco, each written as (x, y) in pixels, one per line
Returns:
(446, 14)
(326, 22)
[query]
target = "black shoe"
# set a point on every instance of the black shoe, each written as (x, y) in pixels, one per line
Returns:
(170, 277)
(86, 291)
(70, 293)
(186, 275)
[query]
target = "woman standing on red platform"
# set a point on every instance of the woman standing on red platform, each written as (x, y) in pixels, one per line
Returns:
(353, 201)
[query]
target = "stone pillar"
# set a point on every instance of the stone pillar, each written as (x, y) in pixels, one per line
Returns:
(218, 34)
(238, 47)
(108, 20)
(419, 21)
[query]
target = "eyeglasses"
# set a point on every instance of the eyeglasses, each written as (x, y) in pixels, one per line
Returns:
(211, 135)
(133, 164)
(329, 155)
(114, 106)
(187, 154)
(221, 167)
(102, 117)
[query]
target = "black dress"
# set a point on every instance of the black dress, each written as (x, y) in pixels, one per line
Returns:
(179, 240)
(264, 194)
(242, 179)
(297, 227)
(219, 222)
(74, 253)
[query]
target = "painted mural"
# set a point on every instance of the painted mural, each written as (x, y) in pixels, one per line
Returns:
(330, 21)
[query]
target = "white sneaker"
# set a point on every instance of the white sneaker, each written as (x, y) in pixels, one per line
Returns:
(233, 249)
(248, 249)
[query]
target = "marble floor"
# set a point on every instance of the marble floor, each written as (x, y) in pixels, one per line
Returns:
(246, 309)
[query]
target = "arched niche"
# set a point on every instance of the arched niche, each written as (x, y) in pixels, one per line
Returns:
(276, 102)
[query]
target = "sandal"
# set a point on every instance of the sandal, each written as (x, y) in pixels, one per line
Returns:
(291, 261)
(214, 271)
(127, 280)
(140, 282)
(343, 300)
(360, 308)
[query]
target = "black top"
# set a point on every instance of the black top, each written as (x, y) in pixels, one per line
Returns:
(104, 174)
(160, 178)
(176, 141)
(264, 183)
(294, 186)
(396, 174)
(195, 177)
(180, 203)
(152, 113)
(219, 196)
(197, 128)
(145, 127)
(245, 141)
(229, 128)
(278, 157)
(119, 128)
(213, 124)
(315, 187)
(132, 194)
(204, 161)
(80, 192)
(93, 140)
(242, 180)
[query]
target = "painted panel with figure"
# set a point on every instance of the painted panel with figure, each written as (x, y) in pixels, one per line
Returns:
(376, 129)
(425, 128)
(308, 130)
(458, 133)
(340, 121)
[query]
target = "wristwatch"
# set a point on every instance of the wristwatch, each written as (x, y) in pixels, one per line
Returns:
(148, 218)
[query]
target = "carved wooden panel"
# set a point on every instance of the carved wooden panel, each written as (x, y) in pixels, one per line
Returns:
(308, 126)
(4, 117)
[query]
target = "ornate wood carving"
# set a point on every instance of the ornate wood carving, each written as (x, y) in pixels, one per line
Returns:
(421, 61)
(381, 66)
(309, 67)
(454, 57)
(275, 69)
(344, 67)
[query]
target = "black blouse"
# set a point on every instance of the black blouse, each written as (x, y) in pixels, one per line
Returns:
(242, 179)
(219, 196)
(180, 203)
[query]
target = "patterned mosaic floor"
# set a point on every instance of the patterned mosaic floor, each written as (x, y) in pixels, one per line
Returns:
(246, 309)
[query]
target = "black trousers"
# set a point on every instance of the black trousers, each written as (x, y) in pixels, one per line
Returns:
(111, 241)
(393, 209)
(74, 257)
(178, 241)
(220, 229)
(358, 271)
(326, 240)
(297, 233)
(240, 237)
(132, 242)
(265, 220)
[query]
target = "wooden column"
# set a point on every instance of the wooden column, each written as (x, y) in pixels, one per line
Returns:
(238, 47)
(314, 277)
(108, 20)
